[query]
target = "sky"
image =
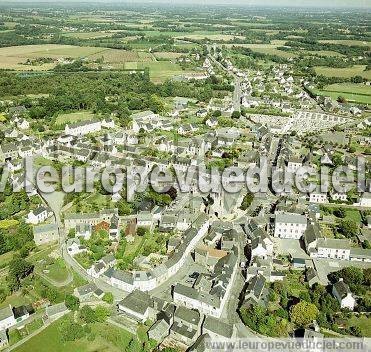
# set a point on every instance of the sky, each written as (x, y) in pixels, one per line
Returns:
(289, 3)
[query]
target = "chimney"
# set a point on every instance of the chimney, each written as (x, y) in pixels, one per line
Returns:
(341, 279)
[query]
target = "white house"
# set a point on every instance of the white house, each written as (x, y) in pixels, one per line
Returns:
(137, 305)
(343, 294)
(23, 124)
(318, 197)
(74, 247)
(332, 248)
(290, 225)
(7, 318)
(365, 200)
(83, 127)
(339, 197)
(37, 216)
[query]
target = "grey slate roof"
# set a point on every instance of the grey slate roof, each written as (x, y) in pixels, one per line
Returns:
(291, 218)
(137, 301)
(218, 327)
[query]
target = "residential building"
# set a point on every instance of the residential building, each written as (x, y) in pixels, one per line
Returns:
(343, 294)
(45, 234)
(332, 249)
(7, 318)
(138, 305)
(290, 225)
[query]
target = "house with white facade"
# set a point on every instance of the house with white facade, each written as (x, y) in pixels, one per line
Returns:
(290, 225)
(138, 305)
(332, 249)
(341, 291)
(83, 127)
(45, 234)
(38, 215)
(7, 318)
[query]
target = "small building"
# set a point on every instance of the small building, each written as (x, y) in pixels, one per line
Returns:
(159, 330)
(37, 216)
(56, 311)
(138, 305)
(3, 339)
(45, 234)
(86, 292)
(7, 318)
(341, 291)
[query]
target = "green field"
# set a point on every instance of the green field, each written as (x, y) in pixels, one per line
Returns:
(107, 338)
(347, 42)
(62, 119)
(358, 93)
(363, 323)
(357, 70)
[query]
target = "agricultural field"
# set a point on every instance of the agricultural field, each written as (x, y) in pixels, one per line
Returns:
(347, 42)
(15, 58)
(343, 72)
(352, 92)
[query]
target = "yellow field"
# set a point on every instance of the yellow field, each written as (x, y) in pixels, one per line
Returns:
(14, 57)
(167, 55)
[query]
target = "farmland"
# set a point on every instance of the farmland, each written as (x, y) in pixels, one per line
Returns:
(62, 119)
(350, 91)
(344, 72)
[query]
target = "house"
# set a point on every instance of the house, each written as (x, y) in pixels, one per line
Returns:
(311, 236)
(56, 311)
(290, 225)
(360, 255)
(318, 197)
(45, 234)
(186, 326)
(138, 305)
(159, 330)
(21, 313)
(74, 247)
(339, 196)
(86, 292)
(332, 248)
(341, 291)
(84, 230)
(217, 329)
(312, 277)
(365, 200)
(202, 113)
(82, 128)
(212, 122)
(7, 318)
(3, 339)
(38, 215)
(294, 164)
(255, 290)
(23, 124)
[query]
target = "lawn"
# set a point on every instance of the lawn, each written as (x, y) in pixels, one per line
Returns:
(363, 323)
(6, 224)
(354, 215)
(108, 338)
(62, 119)
(357, 70)
(57, 271)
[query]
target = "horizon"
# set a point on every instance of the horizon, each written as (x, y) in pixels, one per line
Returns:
(249, 3)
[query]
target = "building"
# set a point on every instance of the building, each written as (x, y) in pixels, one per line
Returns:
(138, 305)
(217, 329)
(365, 200)
(74, 247)
(186, 327)
(86, 292)
(332, 249)
(3, 339)
(7, 318)
(159, 330)
(37, 216)
(45, 234)
(341, 291)
(56, 311)
(255, 290)
(318, 197)
(83, 127)
(290, 225)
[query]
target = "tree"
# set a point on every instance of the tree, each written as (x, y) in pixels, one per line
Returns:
(141, 231)
(247, 200)
(72, 302)
(217, 113)
(303, 313)
(341, 99)
(349, 228)
(87, 314)
(236, 115)
(340, 213)
(71, 331)
(101, 314)
(108, 297)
